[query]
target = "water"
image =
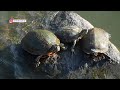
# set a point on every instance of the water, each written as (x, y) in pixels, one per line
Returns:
(108, 20)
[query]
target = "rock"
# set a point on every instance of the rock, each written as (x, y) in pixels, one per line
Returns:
(77, 67)
(67, 18)
(113, 53)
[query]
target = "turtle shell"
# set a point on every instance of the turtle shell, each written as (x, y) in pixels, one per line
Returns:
(68, 33)
(39, 42)
(96, 41)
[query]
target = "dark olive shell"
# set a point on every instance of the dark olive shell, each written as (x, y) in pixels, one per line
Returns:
(39, 42)
(96, 41)
(68, 33)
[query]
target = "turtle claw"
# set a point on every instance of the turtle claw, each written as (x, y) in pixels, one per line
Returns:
(37, 64)
(103, 57)
(58, 57)
(72, 48)
(73, 52)
(37, 61)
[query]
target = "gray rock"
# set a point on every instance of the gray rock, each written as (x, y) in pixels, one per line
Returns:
(68, 18)
(113, 53)
(76, 67)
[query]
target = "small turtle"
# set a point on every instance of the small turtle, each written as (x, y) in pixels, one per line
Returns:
(42, 43)
(97, 44)
(69, 26)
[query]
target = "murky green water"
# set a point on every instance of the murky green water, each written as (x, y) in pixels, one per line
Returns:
(108, 20)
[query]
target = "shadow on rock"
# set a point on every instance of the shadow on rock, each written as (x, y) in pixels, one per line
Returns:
(77, 66)
(15, 63)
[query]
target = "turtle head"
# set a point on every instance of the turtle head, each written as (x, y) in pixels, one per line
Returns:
(55, 48)
(62, 46)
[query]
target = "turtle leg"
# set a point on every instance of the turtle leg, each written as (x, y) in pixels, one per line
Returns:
(96, 54)
(86, 31)
(51, 55)
(83, 33)
(37, 61)
(80, 35)
(73, 46)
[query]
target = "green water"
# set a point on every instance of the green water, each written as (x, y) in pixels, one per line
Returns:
(108, 20)
(5, 15)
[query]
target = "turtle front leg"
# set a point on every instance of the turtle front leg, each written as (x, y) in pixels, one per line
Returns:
(73, 46)
(86, 31)
(38, 61)
(83, 33)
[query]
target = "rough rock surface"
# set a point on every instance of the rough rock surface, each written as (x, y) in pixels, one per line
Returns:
(66, 18)
(67, 67)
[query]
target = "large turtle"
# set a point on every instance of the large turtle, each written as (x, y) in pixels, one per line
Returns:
(69, 26)
(41, 42)
(97, 44)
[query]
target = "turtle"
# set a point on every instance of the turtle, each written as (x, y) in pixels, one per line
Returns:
(41, 42)
(69, 26)
(96, 43)
(68, 34)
